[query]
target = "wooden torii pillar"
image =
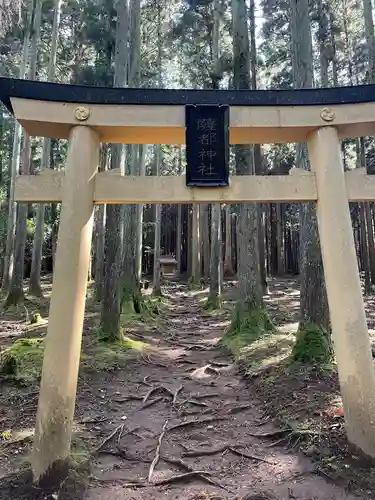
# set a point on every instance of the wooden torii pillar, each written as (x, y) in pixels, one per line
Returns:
(157, 116)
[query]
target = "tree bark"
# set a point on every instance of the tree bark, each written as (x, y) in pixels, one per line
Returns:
(111, 303)
(195, 246)
(280, 239)
(249, 280)
(139, 209)
(179, 239)
(204, 229)
(157, 277)
(8, 265)
(314, 306)
(16, 293)
(228, 263)
(214, 298)
(36, 263)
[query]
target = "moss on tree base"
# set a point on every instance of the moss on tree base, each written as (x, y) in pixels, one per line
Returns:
(15, 297)
(313, 345)
(23, 360)
(249, 322)
(212, 303)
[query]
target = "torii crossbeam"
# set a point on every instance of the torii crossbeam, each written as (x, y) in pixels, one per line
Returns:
(90, 115)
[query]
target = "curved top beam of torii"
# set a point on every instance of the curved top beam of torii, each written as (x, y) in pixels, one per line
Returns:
(84, 94)
(157, 116)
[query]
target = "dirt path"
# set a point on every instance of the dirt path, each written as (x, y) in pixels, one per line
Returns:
(187, 378)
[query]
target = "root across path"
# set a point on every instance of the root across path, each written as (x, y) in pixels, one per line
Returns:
(182, 424)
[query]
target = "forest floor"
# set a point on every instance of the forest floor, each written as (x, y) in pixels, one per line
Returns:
(251, 428)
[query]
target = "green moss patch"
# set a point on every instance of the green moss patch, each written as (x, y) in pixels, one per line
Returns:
(23, 360)
(313, 346)
(248, 324)
(110, 356)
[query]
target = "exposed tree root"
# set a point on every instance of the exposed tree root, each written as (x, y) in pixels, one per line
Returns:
(206, 452)
(238, 409)
(195, 474)
(109, 437)
(157, 452)
(195, 422)
(193, 402)
(278, 432)
(204, 396)
(151, 402)
(221, 449)
(249, 456)
(176, 393)
(121, 453)
(150, 392)
(203, 370)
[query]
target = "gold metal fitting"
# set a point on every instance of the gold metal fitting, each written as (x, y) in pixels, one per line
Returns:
(82, 113)
(327, 114)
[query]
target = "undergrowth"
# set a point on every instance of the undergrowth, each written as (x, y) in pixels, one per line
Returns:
(313, 346)
(248, 324)
(22, 361)
(108, 356)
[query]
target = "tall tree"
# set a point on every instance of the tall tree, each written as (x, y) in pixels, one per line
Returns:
(314, 307)
(16, 293)
(131, 295)
(214, 296)
(111, 303)
(8, 265)
(250, 301)
(158, 208)
(36, 263)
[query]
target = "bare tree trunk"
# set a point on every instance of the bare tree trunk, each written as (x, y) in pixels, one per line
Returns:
(258, 170)
(314, 306)
(36, 263)
(364, 249)
(16, 293)
(370, 38)
(158, 208)
(139, 209)
(111, 303)
(370, 241)
(8, 265)
(249, 279)
(179, 238)
(370, 41)
(214, 298)
(100, 224)
(280, 239)
(228, 263)
(156, 280)
(204, 229)
(195, 246)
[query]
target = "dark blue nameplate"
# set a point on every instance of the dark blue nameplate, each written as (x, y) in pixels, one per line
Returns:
(207, 145)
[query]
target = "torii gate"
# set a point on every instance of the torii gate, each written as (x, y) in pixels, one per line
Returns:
(88, 115)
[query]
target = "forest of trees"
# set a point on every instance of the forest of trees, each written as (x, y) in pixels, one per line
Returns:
(274, 44)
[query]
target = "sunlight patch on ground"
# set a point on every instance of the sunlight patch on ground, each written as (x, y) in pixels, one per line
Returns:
(203, 291)
(268, 350)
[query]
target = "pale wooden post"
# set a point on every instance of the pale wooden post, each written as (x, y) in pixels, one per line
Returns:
(54, 421)
(348, 319)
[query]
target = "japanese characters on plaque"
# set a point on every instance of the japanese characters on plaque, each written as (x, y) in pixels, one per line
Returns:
(207, 145)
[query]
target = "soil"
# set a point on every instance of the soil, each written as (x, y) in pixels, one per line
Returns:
(188, 395)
